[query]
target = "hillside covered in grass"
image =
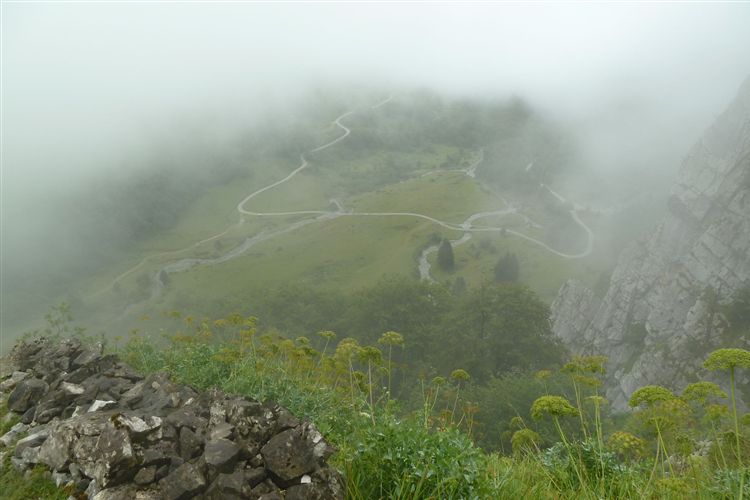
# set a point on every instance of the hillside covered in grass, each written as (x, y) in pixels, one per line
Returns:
(454, 433)
(350, 188)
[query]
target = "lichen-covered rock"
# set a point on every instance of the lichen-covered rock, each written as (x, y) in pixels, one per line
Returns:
(55, 451)
(146, 475)
(295, 452)
(184, 482)
(115, 435)
(13, 433)
(31, 441)
(113, 460)
(220, 453)
(10, 383)
(26, 394)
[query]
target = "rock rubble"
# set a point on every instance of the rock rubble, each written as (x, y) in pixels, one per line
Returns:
(111, 434)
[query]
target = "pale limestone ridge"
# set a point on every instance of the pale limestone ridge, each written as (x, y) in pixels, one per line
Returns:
(656, 321)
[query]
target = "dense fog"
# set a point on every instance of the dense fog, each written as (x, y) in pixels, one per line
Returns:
(98, 94)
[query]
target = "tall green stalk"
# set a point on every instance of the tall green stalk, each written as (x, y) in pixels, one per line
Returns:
(729, 359)
(737, 433)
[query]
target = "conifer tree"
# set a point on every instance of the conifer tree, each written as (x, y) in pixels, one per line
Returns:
(445, 257)
(506, 269)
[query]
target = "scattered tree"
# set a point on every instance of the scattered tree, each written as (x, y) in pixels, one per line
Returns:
(506, 269)
(445, 258)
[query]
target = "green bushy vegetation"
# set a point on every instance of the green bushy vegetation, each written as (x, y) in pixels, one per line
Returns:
(436, 441)
(16, 486)
(543, 434)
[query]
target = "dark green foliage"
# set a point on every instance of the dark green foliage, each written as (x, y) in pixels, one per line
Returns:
(488, 331)
(397, 304)
(15, 485)
(297, 309)
(459, 286)
(507, 269)
(445, 258)
(402, 459)
(596, 464)
(385, 452)
(496, 329)
(501, 399)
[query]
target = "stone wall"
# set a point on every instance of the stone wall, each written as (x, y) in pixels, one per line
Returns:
(109, 433)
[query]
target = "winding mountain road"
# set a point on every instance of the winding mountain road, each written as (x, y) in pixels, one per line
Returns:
(467, 227)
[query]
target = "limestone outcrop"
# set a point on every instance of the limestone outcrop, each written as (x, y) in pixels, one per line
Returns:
(109, 433)
(663, 310)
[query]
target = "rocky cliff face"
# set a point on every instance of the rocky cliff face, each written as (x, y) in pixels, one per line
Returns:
(662, 311)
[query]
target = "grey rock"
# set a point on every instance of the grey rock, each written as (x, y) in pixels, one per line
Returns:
(136, 426)
(31, 441)
(184, 482)
(146, 475)
(213, 493)
(124, 492)
(156, 439)
(114, 459)
(262, 488)
(285, 420)
(83, 449)
(230, 483)
(255, 476)
(10, 383)
(92, 489)
(88, 356)
(158, 454)
(274, 495)
(26, 394)
(61, 478)
(190, 445)
(19, 464)
(55, 451)
(29, 455)
(187, 416)
(222, 430)
(49, 407)
(72, 389)
(294, 452)
(301, 492)
(220, 453)
(134, 395)
(217, 413)
(101, 405)
(28, 416)
(166, 431)
(14, 433)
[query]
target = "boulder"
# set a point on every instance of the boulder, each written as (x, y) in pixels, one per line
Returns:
(31, 441)
(10, 383)
(55, 451)
(221, 453)
(288, 455)
(13, 434)
(190, 444)
(184, 482)
(146, 475)
(113, 459)
(26, 393)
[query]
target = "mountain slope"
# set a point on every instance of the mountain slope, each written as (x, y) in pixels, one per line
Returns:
(666, 302)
